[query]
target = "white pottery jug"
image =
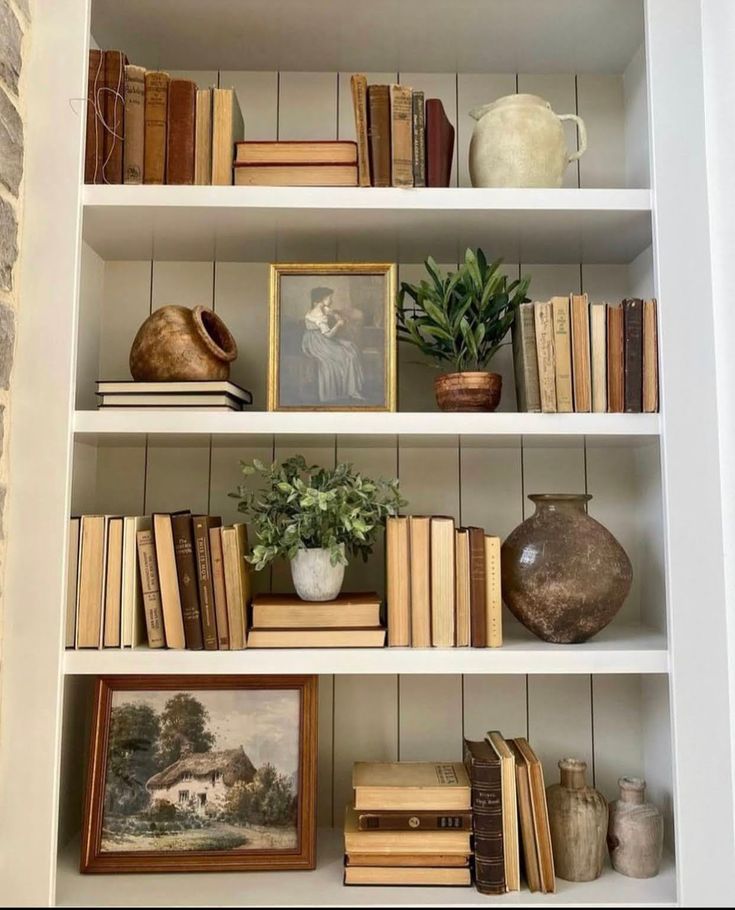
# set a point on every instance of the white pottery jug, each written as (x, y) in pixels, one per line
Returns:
(314, 576)
(519, 141)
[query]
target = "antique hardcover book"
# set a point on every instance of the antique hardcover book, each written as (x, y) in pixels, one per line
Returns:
(358, 86)
(462, 588)
(113, 584)
(562, 355)
(134, 145)
(398, 591)
(132, 596)
(401, 135)
(439, 144)
(289, 611)
(94, 137)
(598, 356)
(72, 581)
(171, 400)
(297, 152)
(414, 821)
(650, 357)
(420, 575)
(203, 387)
(156, 108)
(544, 325)
(187, 573)
(407, 875)
(202, 525)
(379, 129)
(484, 769)
(511, 856)
(295, 174)
(419, 140)
(493, 594)
(237, 583)
(220, 592)
(150, 588)
(525, 359)
(180, 132)
(442, 582)
(173, 620)
(633, 354)
(203, 138)
(581, 368)
(93, 549)
(416, 860)
(615, 360)
(525, 818)
(112, 101)
(412, 786)
(478, 593)
(227, 129)
(540, 816)
(316, 638)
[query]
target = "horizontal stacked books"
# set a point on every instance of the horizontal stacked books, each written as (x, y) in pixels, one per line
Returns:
(176, 580)
(296, 164)
(145, 127)
(286, 621)
(401, 141)
(571, 355)
(189, 396)
(443, 584)
(410, 824)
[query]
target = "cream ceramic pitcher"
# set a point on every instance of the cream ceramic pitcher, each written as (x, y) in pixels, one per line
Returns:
(519, 141)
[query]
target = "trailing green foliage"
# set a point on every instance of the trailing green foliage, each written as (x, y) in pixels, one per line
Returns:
(460, 318)
(300, 506)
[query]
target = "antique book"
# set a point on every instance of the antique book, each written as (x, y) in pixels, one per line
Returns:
(439, 144)
(484, 770)
(316, 638)
(615, 360)
(133, 148)
(173, 620)
(414, 821)
(525, 359)
(462, 588)
(407, 875)
(92, 555)
(412, 786)
(180, 132)
(633, 354)
(419, 140)
(220, 591)
(401, 135)
(237, 583)
(420, 578)
(562, 355)
(540, 816)
(398, 590)
(112, 101)
(544, 326)
(493, 594)
(598, 356)
(415, 860)
(72, 581)
(511, 855)
(227, 129)
(156, 108)
(203, 138)
(150, 588)
(202, 525)
(650, 357)
(94, 136)
(358, 86)
(379, 128)
(525, 819)
(203, 387)
(170, 399)
(442, 582)
(581, 368)
(289, 611)
(187, 573)
(113, 584)
(133, 620)
(297, 152)
(478, 614)
(296, 175)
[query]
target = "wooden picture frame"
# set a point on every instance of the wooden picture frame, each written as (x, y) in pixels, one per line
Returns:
(323, 351)
(302, 855)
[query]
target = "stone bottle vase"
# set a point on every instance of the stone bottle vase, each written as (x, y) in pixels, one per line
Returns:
(519, 141)
(314, 576)
(470, 391)
(176, 344)
(635, 836)
(564, 575)
(578, 821)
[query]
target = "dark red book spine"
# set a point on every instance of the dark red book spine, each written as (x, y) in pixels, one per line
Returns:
(182, 99)
(113, 106)
(95, 138)
(186, 569)
(439, 144)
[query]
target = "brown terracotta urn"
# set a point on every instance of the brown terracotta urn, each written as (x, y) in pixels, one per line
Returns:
(475, 391)
(564, 575)
(578, 817)
(177, 344)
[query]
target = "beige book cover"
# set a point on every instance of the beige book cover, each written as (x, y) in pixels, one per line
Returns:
(544, 326)
(289, 611)
(203, 137)
(420, 559)
(511, 853)
(411, 785)
(581, 365)
(72, 581)
(237, 583)
(134, 120)
(133, 611)
(401, 108)
(650, 357)
(562, 355)
(168, 579)
(358, 86)
(227, 129)
(316, 638)
(402, 875)
(398, 587)
(113, 584)
(91, 580)
(493, 592)
(442, 582)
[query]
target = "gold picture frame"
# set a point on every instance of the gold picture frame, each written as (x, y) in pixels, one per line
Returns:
(334, 371)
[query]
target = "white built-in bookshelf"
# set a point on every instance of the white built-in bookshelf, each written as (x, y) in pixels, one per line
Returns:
(630, 221)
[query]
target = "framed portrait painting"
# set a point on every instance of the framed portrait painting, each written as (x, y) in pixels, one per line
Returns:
(201, 773)
(332, 337)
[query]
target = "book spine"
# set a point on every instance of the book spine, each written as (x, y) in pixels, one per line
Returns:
(113, 585)
(419, 140)
(113, 105)
(151, 589)
(615, 369)
(487, 824)
(358, 84)
(180, 129)
(478, 616)
(650, 358)
(204, 577)
(493, 593)
(94, 141)
(545, 353)
(598, 356)
(133, 148)
(398, 589)
(186, 571)
(203, 138)
(439, 144)
(581, 368)
(462, 588)
(633, 321)
(562, 355)
(156, 105)
(420, 582)
(443, 634)
(525, 360)
(414, 821)
(379, 122)
(218, 584)
(401, 106)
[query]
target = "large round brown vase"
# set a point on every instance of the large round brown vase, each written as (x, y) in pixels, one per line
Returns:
(477, 391)
(564, 575)
(176, 344)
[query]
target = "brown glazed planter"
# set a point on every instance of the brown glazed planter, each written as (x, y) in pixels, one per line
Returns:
(564, 575)
(176, 344)
(468, 391)
(578, 817)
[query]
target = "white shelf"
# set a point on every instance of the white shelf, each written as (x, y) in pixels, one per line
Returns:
(250, 223)
(323, 887)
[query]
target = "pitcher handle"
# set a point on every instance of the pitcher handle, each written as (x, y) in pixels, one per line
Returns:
(582, 135)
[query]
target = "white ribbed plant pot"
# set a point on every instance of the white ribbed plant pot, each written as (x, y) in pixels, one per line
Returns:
(314, 576)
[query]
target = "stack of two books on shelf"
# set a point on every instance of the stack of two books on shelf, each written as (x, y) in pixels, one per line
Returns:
(286, 621)
(187, 396)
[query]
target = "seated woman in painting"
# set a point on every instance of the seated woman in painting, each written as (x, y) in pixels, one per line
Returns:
(340, 373)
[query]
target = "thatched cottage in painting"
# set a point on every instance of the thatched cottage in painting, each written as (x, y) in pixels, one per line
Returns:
(201, 779)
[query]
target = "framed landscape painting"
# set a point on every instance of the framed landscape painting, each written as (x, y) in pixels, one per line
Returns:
(332, 337)
(201, 773)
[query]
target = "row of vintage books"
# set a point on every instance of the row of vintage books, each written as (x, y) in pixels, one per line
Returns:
(573, 355)
(443, 584)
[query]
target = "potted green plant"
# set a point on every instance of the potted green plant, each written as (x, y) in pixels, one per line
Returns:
(315, 517)
(461, 319)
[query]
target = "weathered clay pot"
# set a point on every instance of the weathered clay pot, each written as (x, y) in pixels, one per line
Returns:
(314, 576)
(468, 391)
(635, 834)
(578, 822)
(176, 344)
(564, 575)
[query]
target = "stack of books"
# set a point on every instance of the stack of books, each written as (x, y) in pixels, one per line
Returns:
(188, 396)
(444, 586)
(574, 356)
(410, 824)
(174, 580)
(286, 621)
(296, 164)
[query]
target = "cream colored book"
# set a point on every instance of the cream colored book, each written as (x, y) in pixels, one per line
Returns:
(598, 356)
(562, 355)
(72, 581)
(511, 853)
(133, 631)
(227, 129)
(113, 584)
(203, 138)
(442, 786)
(289, 611)
(168, 579)
(93, 549)
(493, 593)
(398, 589)
(401, 135)
(406, 875)
(237, 583)
(650, 357)
(442, 582)
(151, 591)
(316, 638)
(544, 325)
(462, 587)
(581, 365)
(440, 840)
(420, 559)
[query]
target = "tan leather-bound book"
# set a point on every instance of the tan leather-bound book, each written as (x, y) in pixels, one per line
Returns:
(202, 525)
(581, 366)
(420, 561)
(562, 355)
(598, 356)
(615, 370)
(544, 325)
(295, 175)
(358, 86)
(180, 132)
(297, 152)
(401, 135)
(227, 129)
(134, 148)
(289, 611)
(133, 619)
(91, 580)
(220, 591)
(113, 107)
(525, 819)
(187, 573)
(151, 588)
(478, 617)
(493, 593)
(540, 815)
(173, 620)
(203, 138)
(316, 638)
(650, 357)
(95, 137)
(407, 875)
(379, 129)
(113, 584)
(398, 586)
(510, 810)
(237, 583)
(156, 108)
(413, 786)
(442, 582)
(72, 581)
(462, 594)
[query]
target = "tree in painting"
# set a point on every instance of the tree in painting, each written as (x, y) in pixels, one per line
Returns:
(183, 729)
(133, 747)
